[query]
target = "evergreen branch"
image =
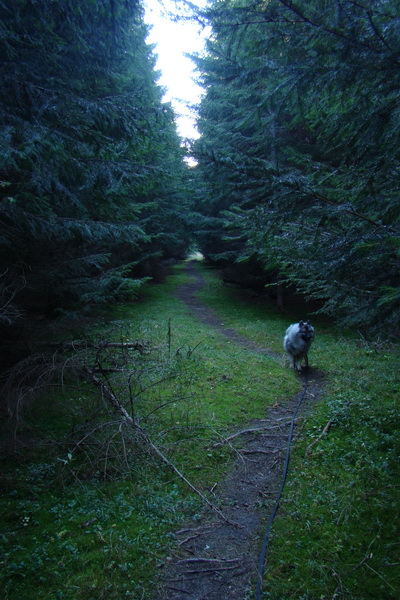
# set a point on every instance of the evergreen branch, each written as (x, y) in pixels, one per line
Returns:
(376, 31)
(296, 10)
(340, 206)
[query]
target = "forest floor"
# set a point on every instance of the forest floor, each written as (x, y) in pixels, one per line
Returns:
(89, 511)
(218, 559)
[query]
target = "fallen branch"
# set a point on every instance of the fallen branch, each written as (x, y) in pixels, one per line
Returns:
(112, 399)
(210, 560)
(116, 404)
(324, 432)
(78, 344)
(243, 432)
(364, 560)
(216, 570)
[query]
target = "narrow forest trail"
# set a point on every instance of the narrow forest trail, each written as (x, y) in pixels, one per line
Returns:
(216, 559)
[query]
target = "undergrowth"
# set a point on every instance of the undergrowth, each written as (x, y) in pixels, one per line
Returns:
(337, 531)
(89, 513)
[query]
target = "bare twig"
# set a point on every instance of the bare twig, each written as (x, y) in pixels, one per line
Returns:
(364, 560)
(201, 529)
(256, 451)
(214, 570)
(176, 589)
(324, 432)
(108, 424)
(110, 396)
(243, 432)
(210, 560)
(140, 346)
(167, 403)
(112, 399)
(191, 537)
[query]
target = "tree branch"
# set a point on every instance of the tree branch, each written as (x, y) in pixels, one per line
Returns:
(292, 7)
(116, 405)
(324, 432)
(338, 205)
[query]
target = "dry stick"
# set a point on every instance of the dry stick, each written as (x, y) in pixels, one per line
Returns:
(75, 344)
(210, 560)
(176, 589)
(193, 537)
(166, 404)
(258, 451)
(158, 452)
(324, 432)
(216, 570)
(202, 529)
(364, 560)
(113, 400)
(135, 345)
(244, 431)
(279, 425)
(169, 337)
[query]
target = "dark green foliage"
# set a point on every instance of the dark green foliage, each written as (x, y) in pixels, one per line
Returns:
(91, 169)
(299, 150)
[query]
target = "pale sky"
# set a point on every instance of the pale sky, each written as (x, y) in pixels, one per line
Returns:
(177, 71)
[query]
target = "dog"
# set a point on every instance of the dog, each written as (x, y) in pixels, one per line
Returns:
(297, 342)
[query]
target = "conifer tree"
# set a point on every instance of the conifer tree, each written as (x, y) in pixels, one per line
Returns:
(299, 149)
(89, 154)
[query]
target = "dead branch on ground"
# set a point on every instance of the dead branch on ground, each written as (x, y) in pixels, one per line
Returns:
(244, 432)
(324, 432)
(140, 346)
(111, 398)
(208, 560)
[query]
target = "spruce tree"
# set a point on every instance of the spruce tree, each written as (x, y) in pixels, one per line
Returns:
(88, 150)
(303, 156)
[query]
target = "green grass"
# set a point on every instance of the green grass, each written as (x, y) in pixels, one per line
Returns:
(191, 389)
(337, 532)
(83, 523)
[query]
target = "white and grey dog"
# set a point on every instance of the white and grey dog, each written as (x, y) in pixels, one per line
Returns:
(297, 342)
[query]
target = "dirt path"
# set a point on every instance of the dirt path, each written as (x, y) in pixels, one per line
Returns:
(218, 560)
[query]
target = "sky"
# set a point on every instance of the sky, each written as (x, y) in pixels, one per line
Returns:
(172, 40)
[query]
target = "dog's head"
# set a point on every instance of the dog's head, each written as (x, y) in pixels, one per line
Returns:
(306, 331)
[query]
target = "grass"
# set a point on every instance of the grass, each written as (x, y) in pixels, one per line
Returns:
(84, 524)
(337, 532)
(79, 524)
(339, 528)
